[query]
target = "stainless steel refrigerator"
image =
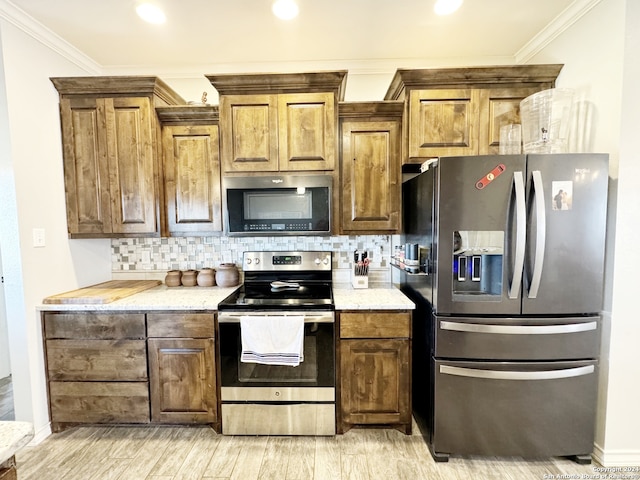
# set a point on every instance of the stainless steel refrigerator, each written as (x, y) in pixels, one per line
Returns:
(509, 293)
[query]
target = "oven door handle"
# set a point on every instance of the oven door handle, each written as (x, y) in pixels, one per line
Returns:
(309, 317)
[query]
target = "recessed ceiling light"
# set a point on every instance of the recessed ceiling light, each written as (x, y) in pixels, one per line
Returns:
(285, 9)
(151, 13)
(445, 7)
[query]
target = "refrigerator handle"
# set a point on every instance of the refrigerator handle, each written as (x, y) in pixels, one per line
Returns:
(541, 234)
(517, 375)
(521, 225)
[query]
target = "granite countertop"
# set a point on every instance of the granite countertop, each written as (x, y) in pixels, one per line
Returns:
(349, 298)
(207, 298)
(13, 436)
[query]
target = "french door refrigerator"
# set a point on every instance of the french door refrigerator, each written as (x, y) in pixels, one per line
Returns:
(509, 295)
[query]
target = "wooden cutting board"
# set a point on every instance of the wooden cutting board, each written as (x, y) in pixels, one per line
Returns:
(105, 292)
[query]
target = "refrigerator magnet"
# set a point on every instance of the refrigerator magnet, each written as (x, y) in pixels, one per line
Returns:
(490, 177)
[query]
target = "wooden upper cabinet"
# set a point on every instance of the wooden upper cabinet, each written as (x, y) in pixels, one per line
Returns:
(370, 172)
(249, 133)
(307, 131)
(110, 153)
(499, 107)
(131, 159)
(279, 122)
(191, 166)
(459, 111)
(443, 122)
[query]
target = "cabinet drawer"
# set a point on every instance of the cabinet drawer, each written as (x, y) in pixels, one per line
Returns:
(96, 359)
(91, 325)
(99, 402)
(375, 325)
(183, 325)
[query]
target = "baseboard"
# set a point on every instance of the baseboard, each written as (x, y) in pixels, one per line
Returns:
(40, 434)
(619, 458)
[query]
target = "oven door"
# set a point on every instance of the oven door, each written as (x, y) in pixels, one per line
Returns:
(315, 373)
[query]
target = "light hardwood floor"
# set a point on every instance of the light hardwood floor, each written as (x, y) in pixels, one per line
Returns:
(178, 453)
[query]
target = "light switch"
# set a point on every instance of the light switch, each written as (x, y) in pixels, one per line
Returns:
(38, 237)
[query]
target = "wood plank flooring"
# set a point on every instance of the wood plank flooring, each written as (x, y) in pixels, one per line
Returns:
(198, 453)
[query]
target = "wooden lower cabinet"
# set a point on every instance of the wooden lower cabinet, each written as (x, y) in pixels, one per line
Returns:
(8, 469)
(130, 368)
(99, 402)
(375, 370)
(96, 367)
(182, 380)
(182, 371)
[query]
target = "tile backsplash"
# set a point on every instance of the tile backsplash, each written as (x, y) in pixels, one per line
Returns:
(153, 257)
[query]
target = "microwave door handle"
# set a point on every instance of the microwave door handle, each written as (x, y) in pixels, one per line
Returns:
(521, 225)
(541, 233)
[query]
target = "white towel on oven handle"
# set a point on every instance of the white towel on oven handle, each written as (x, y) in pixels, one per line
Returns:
(272, 339)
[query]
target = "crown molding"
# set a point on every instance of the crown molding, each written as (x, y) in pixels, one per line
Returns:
(554, 29)
(354, 67)
(18, 18)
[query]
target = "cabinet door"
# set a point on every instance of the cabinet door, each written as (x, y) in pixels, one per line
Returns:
(443, 122)
(499, 107)
(375, 381)
(131, 156)
(249, 133)
(370, 170)
(192, 178)
(86, 171)
(182, 380)
(307, 131)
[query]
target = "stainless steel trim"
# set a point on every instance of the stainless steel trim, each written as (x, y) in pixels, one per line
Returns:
(309, 260)
(517, 375)
(277, 181)
(518, 329)
(541, 234)
(278, 394)
(521, 232)
(286, 419)
(309, 317)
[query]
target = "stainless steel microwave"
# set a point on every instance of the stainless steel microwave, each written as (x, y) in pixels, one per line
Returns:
(278, 205)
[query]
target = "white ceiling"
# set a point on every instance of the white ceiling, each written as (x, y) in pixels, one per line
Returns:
(210, 36)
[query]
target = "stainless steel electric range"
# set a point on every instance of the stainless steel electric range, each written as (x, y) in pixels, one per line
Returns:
(267, 399)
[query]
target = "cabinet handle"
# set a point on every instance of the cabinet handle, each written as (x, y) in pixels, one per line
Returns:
(518, 329)
(517, 375)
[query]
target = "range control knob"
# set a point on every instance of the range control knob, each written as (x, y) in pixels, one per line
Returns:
(317, 261)
(248, 261)
(326, 261)
(257, 261)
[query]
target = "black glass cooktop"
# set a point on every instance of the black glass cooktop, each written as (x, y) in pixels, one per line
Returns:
(263, 296)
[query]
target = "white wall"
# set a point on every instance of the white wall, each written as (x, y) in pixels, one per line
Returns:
(32, 195)
(604, 76)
